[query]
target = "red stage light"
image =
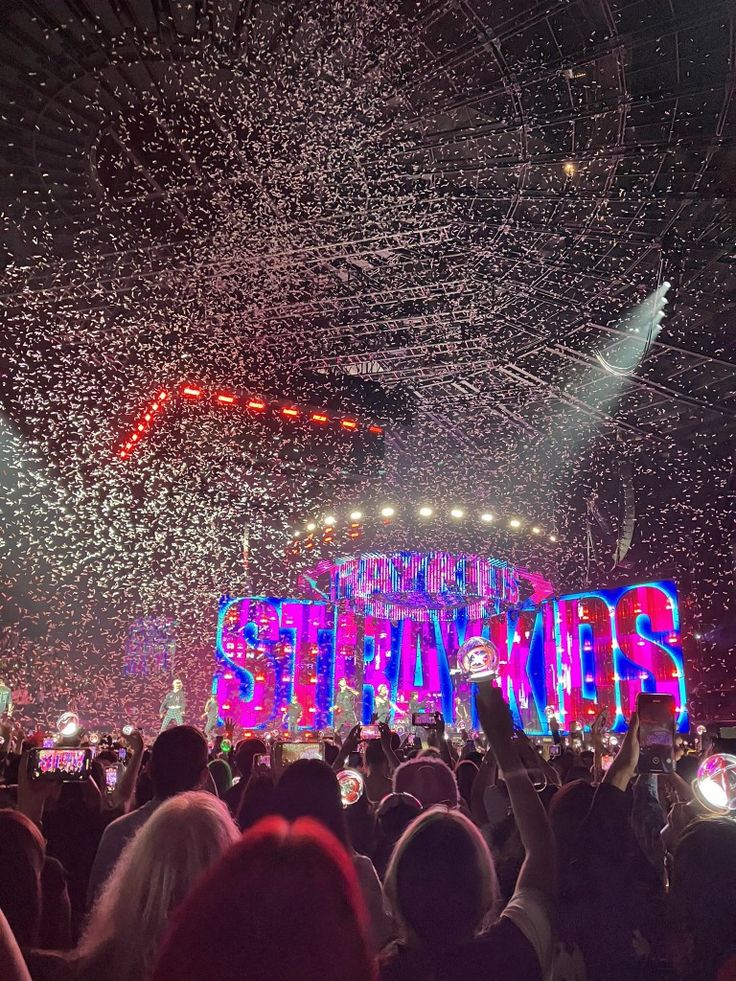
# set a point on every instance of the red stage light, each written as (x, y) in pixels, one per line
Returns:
(319, 417)
(193, 393)
(257, 405)
(147, 417)
(375, 429)
(123, 454)
(348, 424)
(140, 427)
(134, 437)
(162, 396)
(290, 412)
(227, 399)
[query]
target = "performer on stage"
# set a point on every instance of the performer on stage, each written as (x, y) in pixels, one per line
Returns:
(415, 704)
(210, 716)
(462, 714)
(345, 707)
(6, 700)
(173, 706)
(292, 715)
(383, 707)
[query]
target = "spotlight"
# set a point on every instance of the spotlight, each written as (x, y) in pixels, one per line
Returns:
(330, 519)
(535, 530)
(297, 534)
(569, 169)
(425, 512)
(514, 523)
(388, 512)
(486, 516)
(311, 526)
(553, 538)
(356, 515)
(457, 513)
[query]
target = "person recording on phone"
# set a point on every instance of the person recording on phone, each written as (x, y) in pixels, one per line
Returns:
(6, 700)
(173, 706)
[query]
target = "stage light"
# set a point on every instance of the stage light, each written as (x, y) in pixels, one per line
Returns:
(457, 513)
(226, 399)
(553, 538)
(535, 530)
(330, 519)
(486, 516)
(162, 396)
(425, 512)
(388, 512)
(192, 393)
(319, 417)
(290, 412)
(356, 515)
(257, 405)
(514, 523)
(375, 429)
(569, 168)
(348, 423)
(297, 534)
(311, 526)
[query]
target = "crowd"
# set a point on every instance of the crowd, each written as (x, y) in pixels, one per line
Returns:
(474, 861)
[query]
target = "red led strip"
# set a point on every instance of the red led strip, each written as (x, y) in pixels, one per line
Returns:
(192, 393)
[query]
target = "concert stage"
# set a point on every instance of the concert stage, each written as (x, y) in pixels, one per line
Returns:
(398, 619)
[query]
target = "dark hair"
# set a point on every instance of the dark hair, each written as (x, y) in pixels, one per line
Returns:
(244, 753)
(374, 754)
(256, 801)
(21, 860)
(222, 776)
(309, 788)
(178, 760)
(703, 893)
(293, 910)
(465, 774)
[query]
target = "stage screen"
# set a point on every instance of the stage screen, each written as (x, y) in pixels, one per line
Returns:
(575, 654)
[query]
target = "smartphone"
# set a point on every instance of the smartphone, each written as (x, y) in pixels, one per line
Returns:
(69, 764)
(727, 732)
(606, 761)
(656, 732)
(370, 732)
(111, 778)
(123, 754)
(424, 719)
(262, 759)
(554, 750)
(291, 752)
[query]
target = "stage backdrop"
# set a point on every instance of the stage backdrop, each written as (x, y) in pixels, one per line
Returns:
(576, 654)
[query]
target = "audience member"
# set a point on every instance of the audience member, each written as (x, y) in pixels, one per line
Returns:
(283, 904)
(22, 852)
(428, 779)
(243, 756)
(178, 763)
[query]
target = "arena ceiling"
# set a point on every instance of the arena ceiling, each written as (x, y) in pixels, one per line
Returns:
(460, 199)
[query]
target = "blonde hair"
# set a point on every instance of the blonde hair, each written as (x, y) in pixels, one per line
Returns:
(155, 871)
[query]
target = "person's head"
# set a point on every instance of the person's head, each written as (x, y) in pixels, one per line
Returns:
(244, 753)
(156, 870)
(394, 814)
(177, 685)
(465, 774)
(22, 851)
(383, 691)
(441, 857)
(256, 801)
(375, 758)
(309, 788)
(178, 761)
(703, 896)
(222, 776)
(429, 780)
(342, 684)
(294, 912)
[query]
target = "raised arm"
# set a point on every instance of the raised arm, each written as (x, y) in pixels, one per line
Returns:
(539, 870)
(349, 746)
(123, 792)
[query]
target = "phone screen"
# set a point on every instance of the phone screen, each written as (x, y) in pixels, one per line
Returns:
(656, 732)
(262, 759)
(424, 719)
(111, 778)
(291, 752)
(370, 732)
(69, 764)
